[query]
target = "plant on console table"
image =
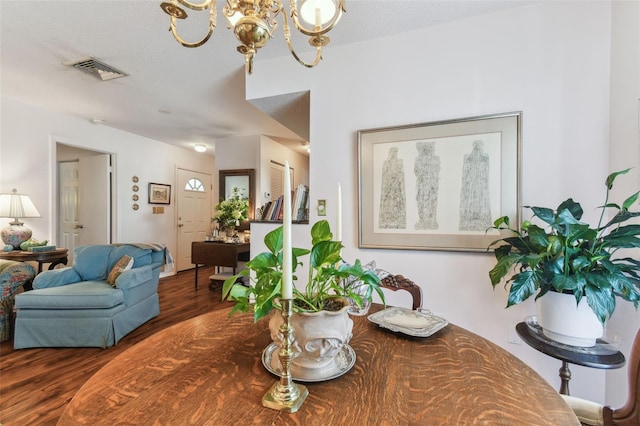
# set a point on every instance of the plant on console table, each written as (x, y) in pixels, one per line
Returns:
(232, 210)
(321, 302)
(570, 261)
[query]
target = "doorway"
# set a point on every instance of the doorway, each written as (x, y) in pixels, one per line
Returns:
(84, 197)
(193, 199)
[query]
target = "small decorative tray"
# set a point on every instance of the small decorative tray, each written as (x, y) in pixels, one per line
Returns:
(343, 362)
(413, 323)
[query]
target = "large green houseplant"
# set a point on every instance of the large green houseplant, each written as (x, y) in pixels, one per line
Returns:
(324, 283)
(570, 256)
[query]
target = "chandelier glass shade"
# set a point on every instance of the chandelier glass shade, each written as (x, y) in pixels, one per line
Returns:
(254, 22)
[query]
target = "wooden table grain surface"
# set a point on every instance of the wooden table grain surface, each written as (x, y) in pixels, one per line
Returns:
(208, 371)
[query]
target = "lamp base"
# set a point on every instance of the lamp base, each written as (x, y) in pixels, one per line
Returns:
(15, 234)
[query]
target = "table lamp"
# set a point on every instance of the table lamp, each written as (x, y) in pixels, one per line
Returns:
(16, 206)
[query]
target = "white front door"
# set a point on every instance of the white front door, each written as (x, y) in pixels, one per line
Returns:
(193, 200)
(85, 202)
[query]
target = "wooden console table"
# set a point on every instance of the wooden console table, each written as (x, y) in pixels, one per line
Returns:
(213, 253)
(208, 371)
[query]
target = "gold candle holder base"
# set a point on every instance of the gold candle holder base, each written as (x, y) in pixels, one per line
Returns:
(285, 395)
(285, 398)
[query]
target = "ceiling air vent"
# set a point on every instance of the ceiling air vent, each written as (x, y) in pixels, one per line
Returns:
(99, 69)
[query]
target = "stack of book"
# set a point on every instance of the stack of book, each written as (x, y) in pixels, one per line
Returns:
(274, 210)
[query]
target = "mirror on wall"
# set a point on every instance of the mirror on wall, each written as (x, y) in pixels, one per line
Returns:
(243, 181)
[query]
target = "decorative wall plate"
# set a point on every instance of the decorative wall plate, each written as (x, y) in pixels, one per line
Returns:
(135, 197)
(135, 206)
(135, 188)
(134, 179)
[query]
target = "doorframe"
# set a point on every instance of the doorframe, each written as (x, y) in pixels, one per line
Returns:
(54, 212)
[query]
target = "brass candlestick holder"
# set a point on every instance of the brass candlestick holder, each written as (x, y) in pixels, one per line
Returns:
(285, 395)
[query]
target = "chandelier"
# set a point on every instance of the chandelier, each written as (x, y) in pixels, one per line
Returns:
(254, 21)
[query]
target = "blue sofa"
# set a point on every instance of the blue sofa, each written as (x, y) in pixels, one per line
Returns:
(77, 307)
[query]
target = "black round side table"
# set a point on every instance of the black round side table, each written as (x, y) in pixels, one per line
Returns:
(602, 355)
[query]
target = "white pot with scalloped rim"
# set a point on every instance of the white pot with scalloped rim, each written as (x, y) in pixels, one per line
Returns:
(565, 322)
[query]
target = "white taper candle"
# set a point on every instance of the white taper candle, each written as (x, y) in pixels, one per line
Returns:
(339, 215)
(287, 280)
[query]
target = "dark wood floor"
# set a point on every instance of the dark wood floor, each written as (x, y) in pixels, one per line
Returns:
(36, 384)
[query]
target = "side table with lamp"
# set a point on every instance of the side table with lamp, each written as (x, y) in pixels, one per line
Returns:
(18, 206)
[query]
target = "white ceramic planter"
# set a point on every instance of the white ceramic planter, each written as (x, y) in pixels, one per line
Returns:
(561, 320)
(317, 338)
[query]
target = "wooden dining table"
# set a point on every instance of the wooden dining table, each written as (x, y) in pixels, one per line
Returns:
(208, 371)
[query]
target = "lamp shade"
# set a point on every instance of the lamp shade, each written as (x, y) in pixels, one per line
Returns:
(16, 206)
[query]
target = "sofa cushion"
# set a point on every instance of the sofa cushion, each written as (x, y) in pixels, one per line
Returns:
(124, 264)
(82, 295)
(91, 262)
(141, 257)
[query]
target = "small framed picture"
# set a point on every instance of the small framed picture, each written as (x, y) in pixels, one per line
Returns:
(159, 193)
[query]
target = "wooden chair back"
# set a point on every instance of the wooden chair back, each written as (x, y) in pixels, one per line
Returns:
(398, 282)
(629, 414)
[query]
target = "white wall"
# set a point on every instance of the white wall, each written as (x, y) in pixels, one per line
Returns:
(28, 162)
(550, 60)
(270, 150)
(256, 152)
(241, 152)
(625, 152)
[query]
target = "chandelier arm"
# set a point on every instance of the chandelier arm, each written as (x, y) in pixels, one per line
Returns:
(287, 37)
(315, 32)
(198, 6)
(174, 31)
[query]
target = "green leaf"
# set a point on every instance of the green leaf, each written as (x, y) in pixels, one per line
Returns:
(629, 201)
(325, 253)
(502, 251)
(545, 214)
(504, 220)
(567, 282)
(522, 287)
(263, 261)
(273, 240)
(609, 181)
(502, 268)
(579, 263)
(320, 231)
(538, 237)
(621, 216)
(229, 283)
(566, 217)
(602, 302)
(555, 245)
(574, 208)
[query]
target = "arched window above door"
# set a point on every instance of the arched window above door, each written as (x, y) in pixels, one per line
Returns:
(194, 184)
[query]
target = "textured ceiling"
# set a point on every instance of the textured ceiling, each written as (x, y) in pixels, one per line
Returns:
(203, 88)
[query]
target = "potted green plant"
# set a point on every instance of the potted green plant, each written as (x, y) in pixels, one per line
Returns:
(569, 257)
(231, 211)
(322, 301)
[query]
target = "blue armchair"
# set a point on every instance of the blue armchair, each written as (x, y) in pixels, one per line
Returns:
(77, 307)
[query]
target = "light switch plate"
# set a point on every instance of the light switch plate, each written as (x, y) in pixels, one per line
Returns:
(322, 207)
